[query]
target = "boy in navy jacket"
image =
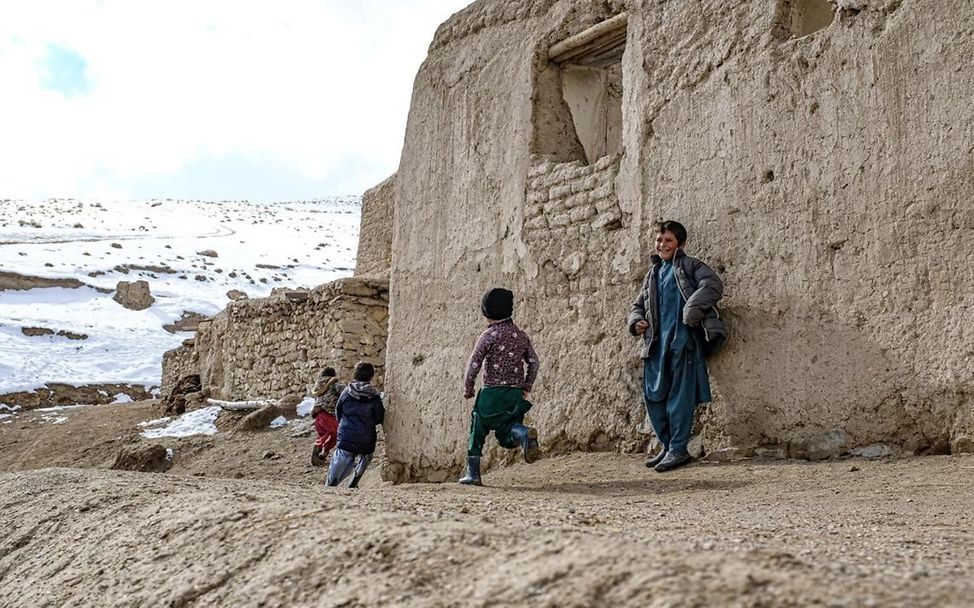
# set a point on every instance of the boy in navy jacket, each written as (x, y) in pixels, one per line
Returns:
(359, 412)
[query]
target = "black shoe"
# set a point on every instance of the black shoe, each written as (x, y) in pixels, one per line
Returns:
(673, 461)
(528, 438)
(652, 461)
(317, 458)
(354, 482)
(472, 478)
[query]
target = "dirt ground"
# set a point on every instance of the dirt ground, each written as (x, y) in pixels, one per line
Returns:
(231, 525)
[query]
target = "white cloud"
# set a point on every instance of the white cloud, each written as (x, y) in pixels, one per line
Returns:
(318, 89)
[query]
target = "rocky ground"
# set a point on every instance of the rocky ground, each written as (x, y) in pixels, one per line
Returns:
(242, 519)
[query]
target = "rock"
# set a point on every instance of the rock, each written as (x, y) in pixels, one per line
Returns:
(875, 450)
(729, 454)
(116, 245)
(289, 404)
(298, 295)
(774, 451)
(302, 427)
(194, 400)
(70, 335)
(54, 393)
(36, 331)
(208, 253)
(259, 420)
(22, 282)
(175, 399)
(188, 321)
(828, 445)
(153, 458)
(962, 445)
(236, 294)
(133, 295)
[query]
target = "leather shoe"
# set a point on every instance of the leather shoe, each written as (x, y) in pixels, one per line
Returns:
(652, 461)
(672, 461)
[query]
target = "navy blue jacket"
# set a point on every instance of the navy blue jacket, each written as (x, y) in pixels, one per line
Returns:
(358, 413)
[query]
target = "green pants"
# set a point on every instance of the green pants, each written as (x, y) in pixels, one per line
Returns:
(497, 409)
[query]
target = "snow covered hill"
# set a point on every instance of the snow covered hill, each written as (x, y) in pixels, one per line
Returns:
(192, 254)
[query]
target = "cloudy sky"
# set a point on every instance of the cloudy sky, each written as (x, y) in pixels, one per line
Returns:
(211, 99)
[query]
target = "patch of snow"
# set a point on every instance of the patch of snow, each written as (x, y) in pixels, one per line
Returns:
(122, 398)
(6, 408)
(54, 419)
(61, 408)
(304, 408)
(278, 422)
(197, 422)
(155, 422)
(169, 454)
(260, 246)
(2, 416)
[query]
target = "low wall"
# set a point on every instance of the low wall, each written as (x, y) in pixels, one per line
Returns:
(273, 347)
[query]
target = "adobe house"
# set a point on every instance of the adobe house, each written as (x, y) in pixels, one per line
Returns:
(821, 155)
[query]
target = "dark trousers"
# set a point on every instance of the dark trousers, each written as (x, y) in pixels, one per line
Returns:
(497, 409)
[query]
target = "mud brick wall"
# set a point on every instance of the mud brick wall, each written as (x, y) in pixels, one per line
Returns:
(374, 256)
(822, 166)
(273, 347)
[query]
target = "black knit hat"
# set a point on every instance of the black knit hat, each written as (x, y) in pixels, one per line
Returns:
(498, 304)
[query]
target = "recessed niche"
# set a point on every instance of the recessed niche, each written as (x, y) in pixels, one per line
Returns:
(803, 17)
(578, 97)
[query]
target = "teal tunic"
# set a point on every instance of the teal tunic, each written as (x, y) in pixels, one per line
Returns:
(675, 374)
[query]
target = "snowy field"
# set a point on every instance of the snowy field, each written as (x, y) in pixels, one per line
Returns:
(192, 253)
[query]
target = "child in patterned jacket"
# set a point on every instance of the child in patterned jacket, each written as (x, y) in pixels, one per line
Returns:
(502, 351)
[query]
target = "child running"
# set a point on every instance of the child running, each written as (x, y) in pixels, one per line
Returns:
(359, 411)
(326, 392)
(502, 351)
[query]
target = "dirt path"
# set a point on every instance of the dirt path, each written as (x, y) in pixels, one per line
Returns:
(581, 530)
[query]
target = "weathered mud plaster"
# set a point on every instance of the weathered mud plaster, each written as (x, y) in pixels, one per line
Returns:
(374, 256)
(828, 177)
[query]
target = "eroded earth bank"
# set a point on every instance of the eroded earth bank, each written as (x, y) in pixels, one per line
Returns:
(242, 519)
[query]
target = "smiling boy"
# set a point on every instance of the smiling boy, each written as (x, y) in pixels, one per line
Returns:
(677, 297)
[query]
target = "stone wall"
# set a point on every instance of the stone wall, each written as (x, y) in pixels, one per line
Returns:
(176, 364)
(375, 236)
(274, 347)
(827, 177)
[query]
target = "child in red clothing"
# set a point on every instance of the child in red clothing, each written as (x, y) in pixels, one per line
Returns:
(326, 392)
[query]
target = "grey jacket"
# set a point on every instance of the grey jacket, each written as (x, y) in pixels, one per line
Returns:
(701, 289)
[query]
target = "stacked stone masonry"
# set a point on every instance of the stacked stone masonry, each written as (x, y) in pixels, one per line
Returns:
(269, 348)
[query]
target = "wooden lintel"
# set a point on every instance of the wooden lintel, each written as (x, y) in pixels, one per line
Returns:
(599, 46)
(608, 28)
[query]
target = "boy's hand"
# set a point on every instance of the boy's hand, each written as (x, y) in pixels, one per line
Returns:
(692, 316)
(641, 327)
(467, 393)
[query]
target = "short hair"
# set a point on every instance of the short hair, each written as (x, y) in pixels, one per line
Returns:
(676, 228)
(364, 371)
(328, 371)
